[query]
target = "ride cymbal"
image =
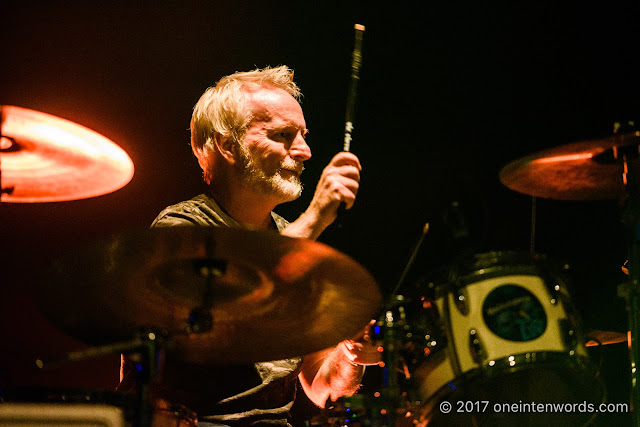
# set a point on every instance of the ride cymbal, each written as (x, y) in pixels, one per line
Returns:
(275, 297)
(589, 170)
(44, 158)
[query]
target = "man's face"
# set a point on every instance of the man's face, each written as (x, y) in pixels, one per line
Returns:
(274, 148)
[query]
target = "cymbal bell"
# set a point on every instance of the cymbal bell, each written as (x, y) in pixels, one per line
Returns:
(275, 297)
(588, 170)
(44, 158)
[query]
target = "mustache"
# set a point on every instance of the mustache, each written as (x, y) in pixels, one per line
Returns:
(293, 165)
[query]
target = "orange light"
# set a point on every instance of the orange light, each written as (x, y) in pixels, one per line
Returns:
(564, 158)
(405, 370)
(625, 172)
(293, 266)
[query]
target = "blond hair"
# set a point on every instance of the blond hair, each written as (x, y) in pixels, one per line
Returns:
(224, 109)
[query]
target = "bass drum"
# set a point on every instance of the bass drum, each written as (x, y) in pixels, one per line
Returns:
(496, 343)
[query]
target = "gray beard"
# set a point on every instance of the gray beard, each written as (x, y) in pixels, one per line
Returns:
(255, 178)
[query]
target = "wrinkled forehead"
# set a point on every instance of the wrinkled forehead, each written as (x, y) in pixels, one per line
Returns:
(269, 102)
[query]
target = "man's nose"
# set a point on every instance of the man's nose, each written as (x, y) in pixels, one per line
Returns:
(299, 149)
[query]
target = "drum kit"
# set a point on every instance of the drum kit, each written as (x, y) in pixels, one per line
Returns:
(188, 291)
(500, 327)
(495, 327)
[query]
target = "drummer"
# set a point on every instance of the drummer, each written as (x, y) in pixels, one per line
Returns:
(248, 134)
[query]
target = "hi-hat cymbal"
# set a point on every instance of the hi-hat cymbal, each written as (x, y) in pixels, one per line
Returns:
(589, 170)
(44, 158)
(278, 297)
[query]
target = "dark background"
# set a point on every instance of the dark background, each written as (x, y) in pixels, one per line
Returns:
(449, 94)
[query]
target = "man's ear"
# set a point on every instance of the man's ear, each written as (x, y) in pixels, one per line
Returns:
(224, 145)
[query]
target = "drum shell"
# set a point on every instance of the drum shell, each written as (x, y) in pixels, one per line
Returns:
(478, 359)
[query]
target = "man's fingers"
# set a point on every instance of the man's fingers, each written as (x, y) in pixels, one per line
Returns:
(345, 158)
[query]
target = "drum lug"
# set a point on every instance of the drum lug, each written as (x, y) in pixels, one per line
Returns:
(461, 301)
(569, 335)
(476, 347)
(555, 293)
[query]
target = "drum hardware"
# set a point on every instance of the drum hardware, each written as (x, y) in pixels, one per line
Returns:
(409, 265)
(392, 330)
(554, 294)
(569, 334)
(390, 404)
(461, 301)
(407, 341)
(145, 348)
(390, 393)
(49, 159)
(200, 318)
(604, 169)
(476, 347)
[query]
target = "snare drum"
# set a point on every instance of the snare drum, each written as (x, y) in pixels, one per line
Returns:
(500, 331)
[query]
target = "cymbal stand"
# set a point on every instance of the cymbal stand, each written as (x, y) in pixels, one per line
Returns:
(630, 290)
(200, 319)
(146, 345)
(389, 330)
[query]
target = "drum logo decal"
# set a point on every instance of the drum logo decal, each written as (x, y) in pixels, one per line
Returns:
(514, 313)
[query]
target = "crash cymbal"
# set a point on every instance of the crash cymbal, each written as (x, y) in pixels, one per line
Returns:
(588, 170)
(44, 158)
(598, 337)
(276, 297)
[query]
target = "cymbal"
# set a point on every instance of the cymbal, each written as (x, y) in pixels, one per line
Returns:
(45, 158)
(598, 337)
(588, 170)
(277, 297)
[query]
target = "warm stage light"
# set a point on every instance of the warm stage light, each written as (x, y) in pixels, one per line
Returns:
(564, 158)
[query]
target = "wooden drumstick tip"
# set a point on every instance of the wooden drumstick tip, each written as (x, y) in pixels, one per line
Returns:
(359, 27)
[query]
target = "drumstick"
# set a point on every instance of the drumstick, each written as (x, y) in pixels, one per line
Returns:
(356, 61)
